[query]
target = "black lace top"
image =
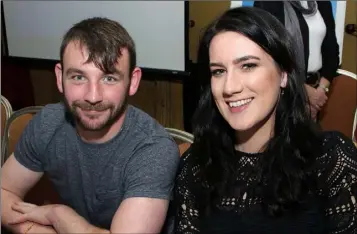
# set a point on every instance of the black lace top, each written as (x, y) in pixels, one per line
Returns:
(337, 181)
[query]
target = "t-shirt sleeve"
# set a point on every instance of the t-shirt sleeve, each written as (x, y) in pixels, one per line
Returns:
(152, 169)
(30, 148)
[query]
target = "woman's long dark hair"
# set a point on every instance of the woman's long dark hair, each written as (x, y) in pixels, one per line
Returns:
(285, 171)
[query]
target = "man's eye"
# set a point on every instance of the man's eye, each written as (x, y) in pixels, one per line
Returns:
(77, 77)
(109, 79)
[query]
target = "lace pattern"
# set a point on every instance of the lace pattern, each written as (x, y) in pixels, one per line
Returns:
(337, 180)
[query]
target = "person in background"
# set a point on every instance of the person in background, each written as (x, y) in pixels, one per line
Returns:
(112, 164)
(259, 163)
(312, 25)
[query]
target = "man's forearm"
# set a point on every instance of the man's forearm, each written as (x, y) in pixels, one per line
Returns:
(65, 220)
(7, 214)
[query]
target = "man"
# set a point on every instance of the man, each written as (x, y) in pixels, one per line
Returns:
(112, 165)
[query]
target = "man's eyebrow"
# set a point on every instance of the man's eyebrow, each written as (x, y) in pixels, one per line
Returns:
(117, 72)
(80, 72)
(74, 70)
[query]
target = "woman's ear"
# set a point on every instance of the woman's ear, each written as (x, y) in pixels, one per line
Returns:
(284, 80)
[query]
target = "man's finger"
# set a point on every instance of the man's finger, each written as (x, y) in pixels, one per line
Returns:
(19, 219)
(25, 204)
(21, 208)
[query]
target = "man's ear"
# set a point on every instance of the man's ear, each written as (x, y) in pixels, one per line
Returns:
(284, 80)
(58, 71)
(135, 81)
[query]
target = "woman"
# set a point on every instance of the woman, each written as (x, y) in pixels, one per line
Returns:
(313, 27)
(257, 164)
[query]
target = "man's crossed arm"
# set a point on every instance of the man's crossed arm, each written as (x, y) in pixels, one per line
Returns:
(135, 215)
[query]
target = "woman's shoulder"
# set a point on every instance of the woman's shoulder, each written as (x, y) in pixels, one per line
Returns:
(189, 165)
(334, 140)
(186, 158)
(189, 171)
(337, 181)
(338, 158)
(337, 146)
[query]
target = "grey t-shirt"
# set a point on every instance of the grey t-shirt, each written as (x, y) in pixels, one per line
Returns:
(93, 179)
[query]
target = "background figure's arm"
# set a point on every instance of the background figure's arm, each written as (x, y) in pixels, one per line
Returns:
(16, 181)
(329, 49)
(276, 8)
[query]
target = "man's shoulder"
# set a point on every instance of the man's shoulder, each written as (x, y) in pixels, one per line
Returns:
(37, 135)
(52, 114)
(149, 134)
(50, 118)
(54, 109)
(143, 123)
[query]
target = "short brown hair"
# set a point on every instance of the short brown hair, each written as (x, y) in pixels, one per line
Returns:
(104, 39)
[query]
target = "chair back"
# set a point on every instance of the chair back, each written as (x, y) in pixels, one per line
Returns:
(14, 128)
(6, 111)
(182, 138)
(43, 192)
(354, 137)
(340, 110)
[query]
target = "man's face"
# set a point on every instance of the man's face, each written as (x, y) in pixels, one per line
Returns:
(95, 99)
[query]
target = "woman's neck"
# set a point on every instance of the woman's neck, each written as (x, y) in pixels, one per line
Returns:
(254, 140)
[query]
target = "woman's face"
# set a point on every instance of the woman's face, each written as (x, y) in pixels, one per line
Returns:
(245, 81)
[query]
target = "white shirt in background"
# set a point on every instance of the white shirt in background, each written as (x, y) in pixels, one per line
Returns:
(317, 32)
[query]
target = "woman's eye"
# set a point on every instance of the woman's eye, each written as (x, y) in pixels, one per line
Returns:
(217, 72)
(249, 66)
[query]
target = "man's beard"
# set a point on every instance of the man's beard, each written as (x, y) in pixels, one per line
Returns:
(114, 113)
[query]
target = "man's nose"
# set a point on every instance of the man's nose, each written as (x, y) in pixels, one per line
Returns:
(94, 93)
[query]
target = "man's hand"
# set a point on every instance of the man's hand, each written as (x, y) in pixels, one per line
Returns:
(313, 112)
(313, 96)
(38, 229)
(321, 97)
(321, 91)
(317, 99)
(14, 187)
(31, 212)
(63, 218)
